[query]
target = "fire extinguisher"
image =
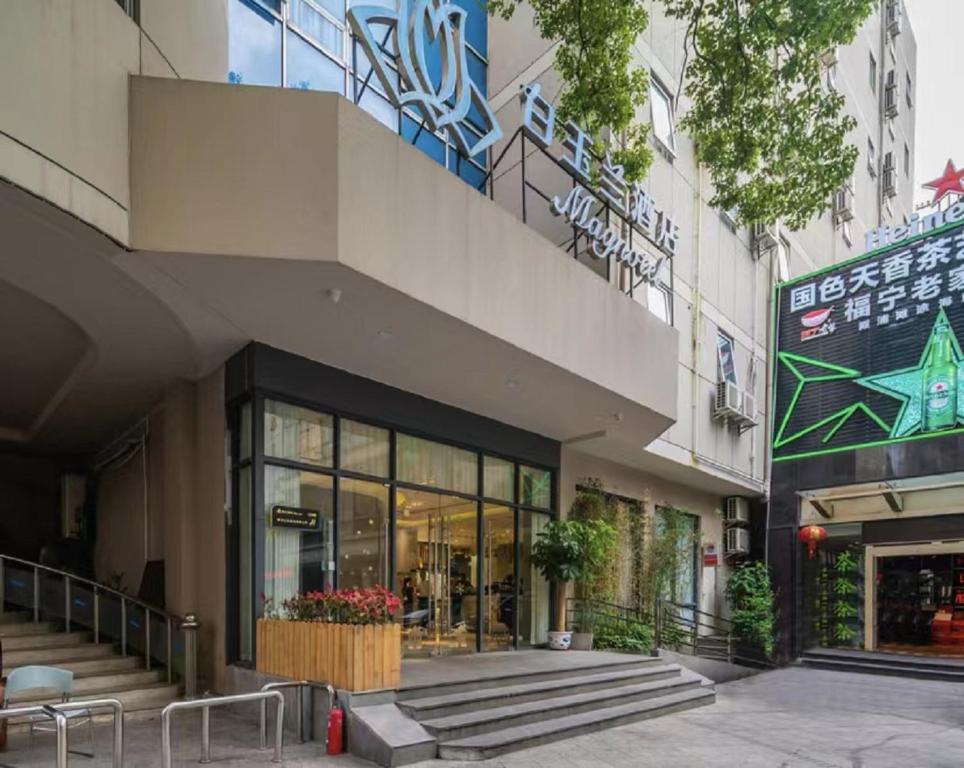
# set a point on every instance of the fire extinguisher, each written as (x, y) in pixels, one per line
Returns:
(336, 731)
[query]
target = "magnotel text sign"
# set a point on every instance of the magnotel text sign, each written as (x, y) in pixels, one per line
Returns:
(586, 210)
(577, 208)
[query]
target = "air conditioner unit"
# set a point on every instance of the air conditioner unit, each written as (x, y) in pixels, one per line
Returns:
(736, 541)
(728, 401)
(894, 14)
(843, 205)
(765, 236)
(829, 57)
(737, 510)
(748, 410)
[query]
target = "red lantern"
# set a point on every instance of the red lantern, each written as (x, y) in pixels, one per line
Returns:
(812, 535)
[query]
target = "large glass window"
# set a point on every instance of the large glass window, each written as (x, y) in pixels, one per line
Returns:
(298, 434)
(533, 587)
(661, 104)
(424, 462)
(363, 448)
(310, 69)
(363, 534)
(497, 477)
(535, 487)
(299, 541)
(254, 44)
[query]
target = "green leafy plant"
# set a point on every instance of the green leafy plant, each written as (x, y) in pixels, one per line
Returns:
(845, 590)
(670, 545)
(571, 550)
(773, 137)
(600, 581)
(750, 596)
(624, 637)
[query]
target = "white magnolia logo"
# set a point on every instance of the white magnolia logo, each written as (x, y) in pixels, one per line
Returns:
(442, 105)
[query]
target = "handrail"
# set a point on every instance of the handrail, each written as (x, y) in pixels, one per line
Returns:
(299, 684)
(717, 620)
(722, 630)
(205, 706)
(171, 620)
(57, 714)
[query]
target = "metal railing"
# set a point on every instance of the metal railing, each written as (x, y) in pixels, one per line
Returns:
(205, 706)
(35, 587)
(299, 685)
(58, 715)
(686, 629)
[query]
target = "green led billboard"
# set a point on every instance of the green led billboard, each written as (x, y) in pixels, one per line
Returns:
(868, 351)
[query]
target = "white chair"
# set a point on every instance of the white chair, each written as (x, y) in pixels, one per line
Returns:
(61, 681)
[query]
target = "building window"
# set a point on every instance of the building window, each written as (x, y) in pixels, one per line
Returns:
(847, 231)
(906, 161)
(132, 8)
(783, 260)
(298, 434)
(907, 92)
(871, 158)
(873, 74)
(661, 104)
(658, 301)
(832, 76)
(726, 366)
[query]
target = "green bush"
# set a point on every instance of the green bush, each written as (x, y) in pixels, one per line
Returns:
(750, 596)
(623, 637)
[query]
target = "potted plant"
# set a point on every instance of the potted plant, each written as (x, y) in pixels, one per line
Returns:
(565, 551)
(348, 637)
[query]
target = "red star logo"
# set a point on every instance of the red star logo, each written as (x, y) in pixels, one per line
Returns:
(947, 184)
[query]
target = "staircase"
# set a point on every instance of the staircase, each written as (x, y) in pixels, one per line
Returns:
(893, 664)
(481, 718)
(99, 671)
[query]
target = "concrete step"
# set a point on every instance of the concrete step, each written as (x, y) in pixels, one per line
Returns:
(43, 640)
(884, 668)
(136, 699)
(460, 726)
(485, 745)
(15, 628)
(523, 689)
(463, 684)
(881, 657)
(99, 687)
(55, 655)
(85, 667)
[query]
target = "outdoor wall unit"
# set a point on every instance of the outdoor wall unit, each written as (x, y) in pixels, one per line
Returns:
(748, 411)
(765, 237)
(893, 18)
(737, 511)
(843, 204)
(890, 176)
(736, 542)
(729, 402)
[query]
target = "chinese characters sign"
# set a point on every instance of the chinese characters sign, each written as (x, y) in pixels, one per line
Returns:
(585, 210)
(868, 352)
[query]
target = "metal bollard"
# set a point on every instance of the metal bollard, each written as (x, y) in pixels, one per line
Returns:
(190, 627)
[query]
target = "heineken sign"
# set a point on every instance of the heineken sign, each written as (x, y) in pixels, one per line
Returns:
(869, 351)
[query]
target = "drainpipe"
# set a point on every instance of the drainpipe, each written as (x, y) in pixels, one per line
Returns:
(697, 320)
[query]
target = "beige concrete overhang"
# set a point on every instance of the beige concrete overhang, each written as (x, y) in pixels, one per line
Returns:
(904, 497)
(296, 219)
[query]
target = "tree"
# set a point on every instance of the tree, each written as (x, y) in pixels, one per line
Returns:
(773, 137)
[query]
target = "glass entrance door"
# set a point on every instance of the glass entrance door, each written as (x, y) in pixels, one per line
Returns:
(498, 593)
(436, 555)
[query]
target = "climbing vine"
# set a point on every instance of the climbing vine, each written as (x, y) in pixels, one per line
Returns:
(771, 133)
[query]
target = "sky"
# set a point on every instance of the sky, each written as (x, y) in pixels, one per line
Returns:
(937, 26)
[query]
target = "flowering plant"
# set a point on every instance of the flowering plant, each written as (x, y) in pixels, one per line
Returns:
(371, 605)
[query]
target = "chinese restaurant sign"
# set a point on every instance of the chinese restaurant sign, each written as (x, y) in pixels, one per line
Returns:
(868, 351)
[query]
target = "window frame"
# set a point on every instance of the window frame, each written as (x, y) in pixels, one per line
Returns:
(723, 339)
(656, 87)
(873, 74)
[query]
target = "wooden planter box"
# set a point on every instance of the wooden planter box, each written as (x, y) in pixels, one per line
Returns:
(349, 656)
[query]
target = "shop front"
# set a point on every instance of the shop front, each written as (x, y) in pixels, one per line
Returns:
(865, 527)
(341, 482)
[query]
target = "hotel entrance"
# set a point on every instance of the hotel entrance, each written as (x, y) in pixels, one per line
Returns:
(326, 500)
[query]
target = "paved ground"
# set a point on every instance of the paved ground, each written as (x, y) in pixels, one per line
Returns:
(785, 719)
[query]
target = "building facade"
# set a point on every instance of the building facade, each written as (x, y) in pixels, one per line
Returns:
(277, 325)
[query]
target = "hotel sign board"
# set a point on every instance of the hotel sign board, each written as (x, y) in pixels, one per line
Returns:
(868, 352)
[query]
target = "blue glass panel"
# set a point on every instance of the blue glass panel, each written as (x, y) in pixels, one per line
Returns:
(335, 7)
(476, 24)
(364, 67)
(316, 26)
(472, 174)
(427, 141)
(479, 74)
(310, 69)
(481, 158)
(380, 108)
(254, 44)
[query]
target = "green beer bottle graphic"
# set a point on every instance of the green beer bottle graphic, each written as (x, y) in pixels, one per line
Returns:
(940, 383)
